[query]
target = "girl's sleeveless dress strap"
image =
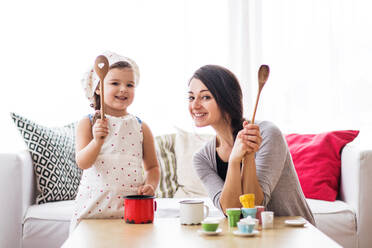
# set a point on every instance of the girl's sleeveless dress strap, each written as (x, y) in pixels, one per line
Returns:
(90, 116)
(139, 120)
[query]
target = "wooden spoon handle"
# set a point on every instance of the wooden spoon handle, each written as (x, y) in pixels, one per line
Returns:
(245, 159)
(101, 67)
(102, 99)
(255, 106)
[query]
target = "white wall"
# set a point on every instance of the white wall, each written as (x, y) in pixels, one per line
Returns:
(46, 46)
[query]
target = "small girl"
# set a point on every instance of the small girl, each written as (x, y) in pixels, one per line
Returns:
(111, 151)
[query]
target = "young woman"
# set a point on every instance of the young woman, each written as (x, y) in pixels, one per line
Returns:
(244, 157)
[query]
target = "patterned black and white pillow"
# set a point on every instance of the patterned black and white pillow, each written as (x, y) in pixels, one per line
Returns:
(53, 154)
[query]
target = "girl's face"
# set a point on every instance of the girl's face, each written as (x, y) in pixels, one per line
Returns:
(202, 105)
(118, 91)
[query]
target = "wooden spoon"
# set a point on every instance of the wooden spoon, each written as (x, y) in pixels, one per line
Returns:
(263, 75)
(101, 67)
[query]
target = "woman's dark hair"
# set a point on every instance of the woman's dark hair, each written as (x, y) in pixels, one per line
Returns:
(96, 105)
(225, 88)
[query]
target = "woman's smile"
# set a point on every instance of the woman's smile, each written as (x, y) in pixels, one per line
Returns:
(199, 116)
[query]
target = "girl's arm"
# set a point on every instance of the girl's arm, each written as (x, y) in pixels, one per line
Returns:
(88, 145)
(150, 162)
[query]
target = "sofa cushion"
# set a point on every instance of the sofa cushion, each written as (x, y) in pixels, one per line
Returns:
(60, 211)
(336, 219)
(44, 233)
(47, 225)
(53, 154)
(317, 159)
(167, 161)
(186, 145)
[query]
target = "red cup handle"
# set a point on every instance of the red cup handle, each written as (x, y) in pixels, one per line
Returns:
(155, 206)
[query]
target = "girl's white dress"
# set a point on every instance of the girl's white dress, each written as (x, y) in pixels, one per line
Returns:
(117, 172)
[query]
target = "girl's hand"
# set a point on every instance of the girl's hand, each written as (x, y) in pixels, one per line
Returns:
(248, 141)
(100, 131)
(146, 189)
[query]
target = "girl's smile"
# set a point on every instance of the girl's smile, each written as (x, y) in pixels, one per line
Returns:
(122, 98)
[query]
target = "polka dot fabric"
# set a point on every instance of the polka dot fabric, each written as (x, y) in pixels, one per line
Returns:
(117, 172)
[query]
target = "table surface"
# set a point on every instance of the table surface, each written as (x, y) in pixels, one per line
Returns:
(168, 232)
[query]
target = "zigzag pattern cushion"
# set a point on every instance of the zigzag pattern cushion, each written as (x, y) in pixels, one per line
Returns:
(167, 161)
(53, 154)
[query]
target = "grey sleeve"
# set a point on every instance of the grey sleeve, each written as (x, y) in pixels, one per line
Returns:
(203, 165)
(270, 158)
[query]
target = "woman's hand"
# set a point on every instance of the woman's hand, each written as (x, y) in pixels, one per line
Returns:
(146, 189)
(253, 137)
(248, 141)
(100, 131)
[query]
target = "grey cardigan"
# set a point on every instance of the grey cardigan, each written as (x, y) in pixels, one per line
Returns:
(275, 171)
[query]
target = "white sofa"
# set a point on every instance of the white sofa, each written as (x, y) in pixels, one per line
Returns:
(24, 224)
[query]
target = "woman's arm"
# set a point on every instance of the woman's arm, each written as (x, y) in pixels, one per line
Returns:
(88, 145)
(150, 161)
(204, 164)
(250, 184)
(232, 187)
(242, 181)
(224, 194)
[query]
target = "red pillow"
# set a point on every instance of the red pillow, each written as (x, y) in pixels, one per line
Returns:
(317, 159)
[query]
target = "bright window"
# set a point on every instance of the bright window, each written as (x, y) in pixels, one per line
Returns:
(319, 53)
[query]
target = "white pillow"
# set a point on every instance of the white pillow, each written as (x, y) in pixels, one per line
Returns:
(186, 145)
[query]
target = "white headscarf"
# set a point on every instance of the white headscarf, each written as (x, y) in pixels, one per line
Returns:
(91, 80)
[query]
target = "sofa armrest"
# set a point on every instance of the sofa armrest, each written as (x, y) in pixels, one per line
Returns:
(356, 185)
(17, 193)
(28, 181)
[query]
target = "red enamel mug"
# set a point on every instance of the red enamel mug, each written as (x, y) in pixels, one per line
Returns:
(139, 209)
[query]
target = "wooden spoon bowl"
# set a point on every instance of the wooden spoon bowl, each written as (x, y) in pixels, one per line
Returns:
(263, 75)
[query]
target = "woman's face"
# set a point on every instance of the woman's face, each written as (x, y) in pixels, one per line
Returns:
(202, 105)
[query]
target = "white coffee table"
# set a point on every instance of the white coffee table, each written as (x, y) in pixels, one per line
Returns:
(168, 232)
